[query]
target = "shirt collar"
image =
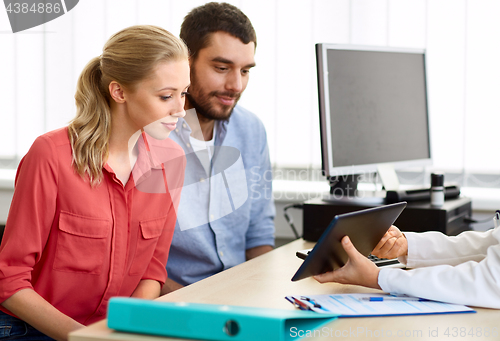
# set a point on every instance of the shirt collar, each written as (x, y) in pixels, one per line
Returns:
(184, 130)
(146, 160)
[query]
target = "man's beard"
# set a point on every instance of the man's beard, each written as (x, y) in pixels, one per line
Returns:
(204, 107)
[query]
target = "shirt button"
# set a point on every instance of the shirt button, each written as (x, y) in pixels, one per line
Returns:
(202, 180)
(177, 130)
(188, 145)
(184, 125)
(212, 217)
(221, 254)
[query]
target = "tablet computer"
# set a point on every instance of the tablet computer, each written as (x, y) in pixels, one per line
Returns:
(365, 228)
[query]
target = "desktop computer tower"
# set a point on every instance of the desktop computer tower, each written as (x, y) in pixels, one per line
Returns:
(417, 216)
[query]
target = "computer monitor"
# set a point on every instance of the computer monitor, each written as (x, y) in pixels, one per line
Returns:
(373, 111)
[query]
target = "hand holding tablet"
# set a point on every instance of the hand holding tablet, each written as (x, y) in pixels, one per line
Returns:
(364, 228)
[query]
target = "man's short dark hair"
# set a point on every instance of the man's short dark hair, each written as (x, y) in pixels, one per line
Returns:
(213, 17)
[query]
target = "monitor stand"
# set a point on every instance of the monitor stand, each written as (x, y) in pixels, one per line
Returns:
(345, 189)
(388, 176)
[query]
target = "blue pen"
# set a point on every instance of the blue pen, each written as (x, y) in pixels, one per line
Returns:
(390, 298)
(312, 301)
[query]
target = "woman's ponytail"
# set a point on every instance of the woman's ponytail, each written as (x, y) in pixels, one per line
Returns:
(89, 131)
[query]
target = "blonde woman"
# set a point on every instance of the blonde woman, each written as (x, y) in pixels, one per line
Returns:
(80, 230)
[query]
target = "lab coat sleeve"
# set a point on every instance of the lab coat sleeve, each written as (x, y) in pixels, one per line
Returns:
(435, 248)
(472, 282)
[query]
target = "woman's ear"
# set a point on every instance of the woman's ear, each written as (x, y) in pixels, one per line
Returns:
(116, 92)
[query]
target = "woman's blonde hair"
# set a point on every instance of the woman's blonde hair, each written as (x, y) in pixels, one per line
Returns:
(128, 57)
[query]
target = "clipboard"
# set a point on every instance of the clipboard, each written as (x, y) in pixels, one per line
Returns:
(366, 305)
(208, 321)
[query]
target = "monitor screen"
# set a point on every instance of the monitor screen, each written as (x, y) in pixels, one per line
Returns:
(373, 108)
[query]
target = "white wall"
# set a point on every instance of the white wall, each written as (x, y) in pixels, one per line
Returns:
(39, 67)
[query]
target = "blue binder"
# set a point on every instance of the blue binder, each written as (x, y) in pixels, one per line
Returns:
(211, 322)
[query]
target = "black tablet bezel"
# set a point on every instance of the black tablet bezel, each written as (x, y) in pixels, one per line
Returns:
(365, 228)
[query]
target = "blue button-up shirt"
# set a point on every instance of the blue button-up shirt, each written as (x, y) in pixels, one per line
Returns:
(223, 214)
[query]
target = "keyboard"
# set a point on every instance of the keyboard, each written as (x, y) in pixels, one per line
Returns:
(383, 261)
(380, 262)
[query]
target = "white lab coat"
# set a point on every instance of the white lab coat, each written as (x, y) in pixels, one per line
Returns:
(464, 269)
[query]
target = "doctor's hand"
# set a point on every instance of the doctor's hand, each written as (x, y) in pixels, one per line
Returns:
(392, 245)
(358, 270)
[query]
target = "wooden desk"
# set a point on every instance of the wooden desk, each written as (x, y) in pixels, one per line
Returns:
(265, 281)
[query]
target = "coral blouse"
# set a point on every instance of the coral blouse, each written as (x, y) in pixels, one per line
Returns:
(78, 246)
